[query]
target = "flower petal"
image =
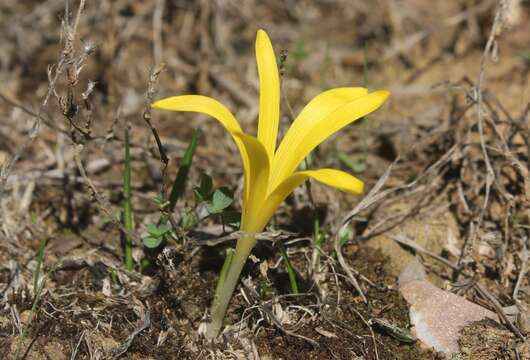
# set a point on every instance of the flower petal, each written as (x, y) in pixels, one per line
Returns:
(318, 108)
(258, 172)
(334, 178)
(212, 107)
(308, 135)
(269, 93)
(200, 104)
(331, 177)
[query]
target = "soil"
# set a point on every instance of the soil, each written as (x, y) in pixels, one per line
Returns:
(178, 293)
(457, 185)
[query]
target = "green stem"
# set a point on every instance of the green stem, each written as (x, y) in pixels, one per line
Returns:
(227, 284)
(225, 268)
(182, 174)
(290, 269)
(40, 257)
(318, 239)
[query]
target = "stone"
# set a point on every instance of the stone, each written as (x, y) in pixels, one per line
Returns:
(438, 316)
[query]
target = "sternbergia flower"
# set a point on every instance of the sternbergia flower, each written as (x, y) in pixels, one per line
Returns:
(270, 172)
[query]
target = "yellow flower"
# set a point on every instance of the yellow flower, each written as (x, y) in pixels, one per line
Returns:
(270, 173)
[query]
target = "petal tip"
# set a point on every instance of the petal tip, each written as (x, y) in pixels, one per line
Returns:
(359, 188)
(381, 96)
(385, 94)
(156, 105)
(262, 37)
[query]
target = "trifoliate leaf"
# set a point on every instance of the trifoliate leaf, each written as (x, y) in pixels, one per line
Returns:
(152, 242)
(189, 219)
(163, 229)
(221, 199)
(152, 229)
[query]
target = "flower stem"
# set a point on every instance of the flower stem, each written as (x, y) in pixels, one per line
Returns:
(227, 284)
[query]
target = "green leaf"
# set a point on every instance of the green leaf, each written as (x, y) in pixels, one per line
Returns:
(204, 191)
(158, 230)
(206, 184)
(163, 229)
(161, 201)
(152, 229)
(221, 199)
(189, 218)
(152, 242)
(345, 234)
(355, 165)
(291, 272)
(179, 184)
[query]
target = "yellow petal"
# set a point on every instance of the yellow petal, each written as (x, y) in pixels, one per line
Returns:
(313, 132)
(213, 108)
(200, 104)
(258, 173)
(269, 93)
(318, 108)
(331, 177)
(334, 178)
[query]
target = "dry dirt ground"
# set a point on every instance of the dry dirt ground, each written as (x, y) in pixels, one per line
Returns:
(450, 150)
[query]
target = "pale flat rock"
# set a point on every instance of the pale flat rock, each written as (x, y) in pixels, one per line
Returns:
(438, 316)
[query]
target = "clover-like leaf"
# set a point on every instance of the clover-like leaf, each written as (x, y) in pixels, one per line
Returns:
(152, 242)
(221, 199)
(152, 229)
(163, 229)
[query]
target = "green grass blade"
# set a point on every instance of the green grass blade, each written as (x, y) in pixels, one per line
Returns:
(318, 241)
(38, 287)
(127, 206)
(182, 175)
(40, 257)
(290, 269)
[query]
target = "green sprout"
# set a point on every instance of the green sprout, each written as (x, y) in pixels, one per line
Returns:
(179, 185)
(156, 235)
(291, 272)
